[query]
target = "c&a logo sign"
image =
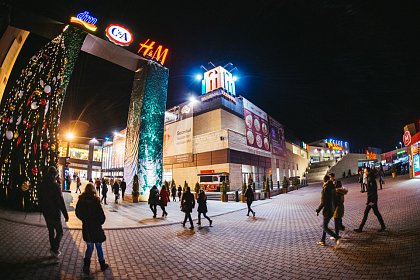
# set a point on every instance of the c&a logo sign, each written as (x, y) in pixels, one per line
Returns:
(119, 35)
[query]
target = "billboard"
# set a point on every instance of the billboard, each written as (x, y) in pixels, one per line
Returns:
(278, 144)
(178, 134)
(256, 127)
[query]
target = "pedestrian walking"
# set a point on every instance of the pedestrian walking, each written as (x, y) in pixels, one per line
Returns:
(179, 192)
(362, 186)
(104, 191)
(52, 205)
(381, 175)
(187, 205)
(340, 192)
(78, 183)
(163, 200)
(249, 194)
(68, 182)
(98, 186)
(364, 181)
(173, 191)
(90, 212)
(327, 206)
(153, 199)
(116, 189)
(372, 201)
(123, 186)
(202, 207)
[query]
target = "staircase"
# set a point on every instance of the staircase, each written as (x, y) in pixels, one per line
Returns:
(318, 170)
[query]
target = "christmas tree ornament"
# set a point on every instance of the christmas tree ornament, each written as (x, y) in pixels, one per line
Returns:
(9, 135)
(25, 186)
(43, 102)
(16, 135)
(20, 94)
(34, 105)
(47, 89)
(19, 119)
(41, 83)
(34, 170)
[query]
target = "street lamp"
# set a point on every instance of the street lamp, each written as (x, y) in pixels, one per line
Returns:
(401, 144)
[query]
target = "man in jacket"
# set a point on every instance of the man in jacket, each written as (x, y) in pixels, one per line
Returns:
(123, 186)
(328, 206)
(52, 205)
(372, 201)
(187, 205)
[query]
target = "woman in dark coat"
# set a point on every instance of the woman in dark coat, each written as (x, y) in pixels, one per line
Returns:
(173, 193)
(89, 210)
(104, 190)
(164, 199)
(202, 207)
(249, 194)
(154, 199)
(116, 189)
(187, 205)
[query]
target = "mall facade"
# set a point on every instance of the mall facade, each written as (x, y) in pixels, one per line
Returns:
(219, 137)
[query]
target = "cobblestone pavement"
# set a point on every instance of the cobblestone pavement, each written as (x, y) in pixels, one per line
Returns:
(279, 243)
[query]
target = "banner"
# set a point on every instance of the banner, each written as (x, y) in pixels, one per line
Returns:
(256, 126)
(278, 143)
(178, 134)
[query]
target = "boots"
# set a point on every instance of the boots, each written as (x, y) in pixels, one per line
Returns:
(86, 265)
(104, 265)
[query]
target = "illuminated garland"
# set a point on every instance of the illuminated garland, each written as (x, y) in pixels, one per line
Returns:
(29, 119)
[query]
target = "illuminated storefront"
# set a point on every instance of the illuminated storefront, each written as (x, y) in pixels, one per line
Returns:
(411, 140)
(327, 149)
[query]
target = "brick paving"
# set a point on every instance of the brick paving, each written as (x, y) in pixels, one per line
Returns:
(280, 243)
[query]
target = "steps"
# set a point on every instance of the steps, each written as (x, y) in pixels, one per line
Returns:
(318, 170)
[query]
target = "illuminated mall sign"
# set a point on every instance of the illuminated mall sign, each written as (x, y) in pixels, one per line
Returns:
(335, 144)
(407, 138)
(85, 20)
(217, 78)
(158, 52)
(119, 35)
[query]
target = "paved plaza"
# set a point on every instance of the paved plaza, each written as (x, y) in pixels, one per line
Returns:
(279, 243)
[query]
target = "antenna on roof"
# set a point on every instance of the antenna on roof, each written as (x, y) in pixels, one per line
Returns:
(204, 68)
(233, 69)
(211, 63)
(229, 64)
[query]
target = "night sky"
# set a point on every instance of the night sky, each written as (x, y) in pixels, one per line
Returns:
(343, 69)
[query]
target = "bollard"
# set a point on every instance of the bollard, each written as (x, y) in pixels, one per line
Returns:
(236, 196)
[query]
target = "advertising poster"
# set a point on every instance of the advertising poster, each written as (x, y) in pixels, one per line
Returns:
(278, 146)
(178, 134)
(416, 164)
(256, 127)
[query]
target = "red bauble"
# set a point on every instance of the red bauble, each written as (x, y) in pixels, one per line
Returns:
(18, 141)
(45, 145)
(34, 170)
(28, 125)
(35, 147)
(43, 102)
(6, 119)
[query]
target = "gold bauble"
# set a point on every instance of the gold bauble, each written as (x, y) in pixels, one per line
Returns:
(16, 135)
(25, 186)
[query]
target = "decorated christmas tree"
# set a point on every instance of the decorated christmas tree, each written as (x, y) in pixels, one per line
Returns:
(30, 117)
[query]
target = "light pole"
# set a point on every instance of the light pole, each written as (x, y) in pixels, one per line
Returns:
(400, 144)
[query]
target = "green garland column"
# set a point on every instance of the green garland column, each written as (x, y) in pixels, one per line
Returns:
(145, 125)
(30, 118)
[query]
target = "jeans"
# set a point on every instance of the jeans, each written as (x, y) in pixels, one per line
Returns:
(55, 232)
(248, 203)
(338, 223)
(199, 217)
(188, 216)
(362, 187)
(153, 208)
(375, 211)
(99, 251)
(103, 198)
(327, 230)
(163, 210)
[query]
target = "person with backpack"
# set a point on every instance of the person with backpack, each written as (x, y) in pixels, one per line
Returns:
(327, 206)
(187, 205)
(153, 200)
(249, 194)
(90, 212)
(163, 200)
(202, 207)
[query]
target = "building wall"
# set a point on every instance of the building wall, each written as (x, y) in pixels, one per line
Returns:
(349, 161)
(207, 122)
(211, 141)
(189, 174)
(296, 163)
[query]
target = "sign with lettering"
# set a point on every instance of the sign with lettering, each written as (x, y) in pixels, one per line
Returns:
(407, 138)
(119, 35)
(85, 20)
(217, 78)
(149, 50)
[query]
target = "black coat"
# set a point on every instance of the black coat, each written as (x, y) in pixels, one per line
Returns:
(328, 199)
(202, 204)
(187, 202)
(104, 189)
(154, 197)
(123, 186)
(372, 189)
(249, 194)
(173, 190)
(116, 188)
(51, 199)
(90, 211)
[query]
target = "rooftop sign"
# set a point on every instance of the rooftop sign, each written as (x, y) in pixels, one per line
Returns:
(85, 20)
(217, 78)
(119, 35)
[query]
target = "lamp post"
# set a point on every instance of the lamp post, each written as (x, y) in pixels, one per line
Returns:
(401, 144)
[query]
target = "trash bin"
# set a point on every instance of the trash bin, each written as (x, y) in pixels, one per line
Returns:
(236, 196)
